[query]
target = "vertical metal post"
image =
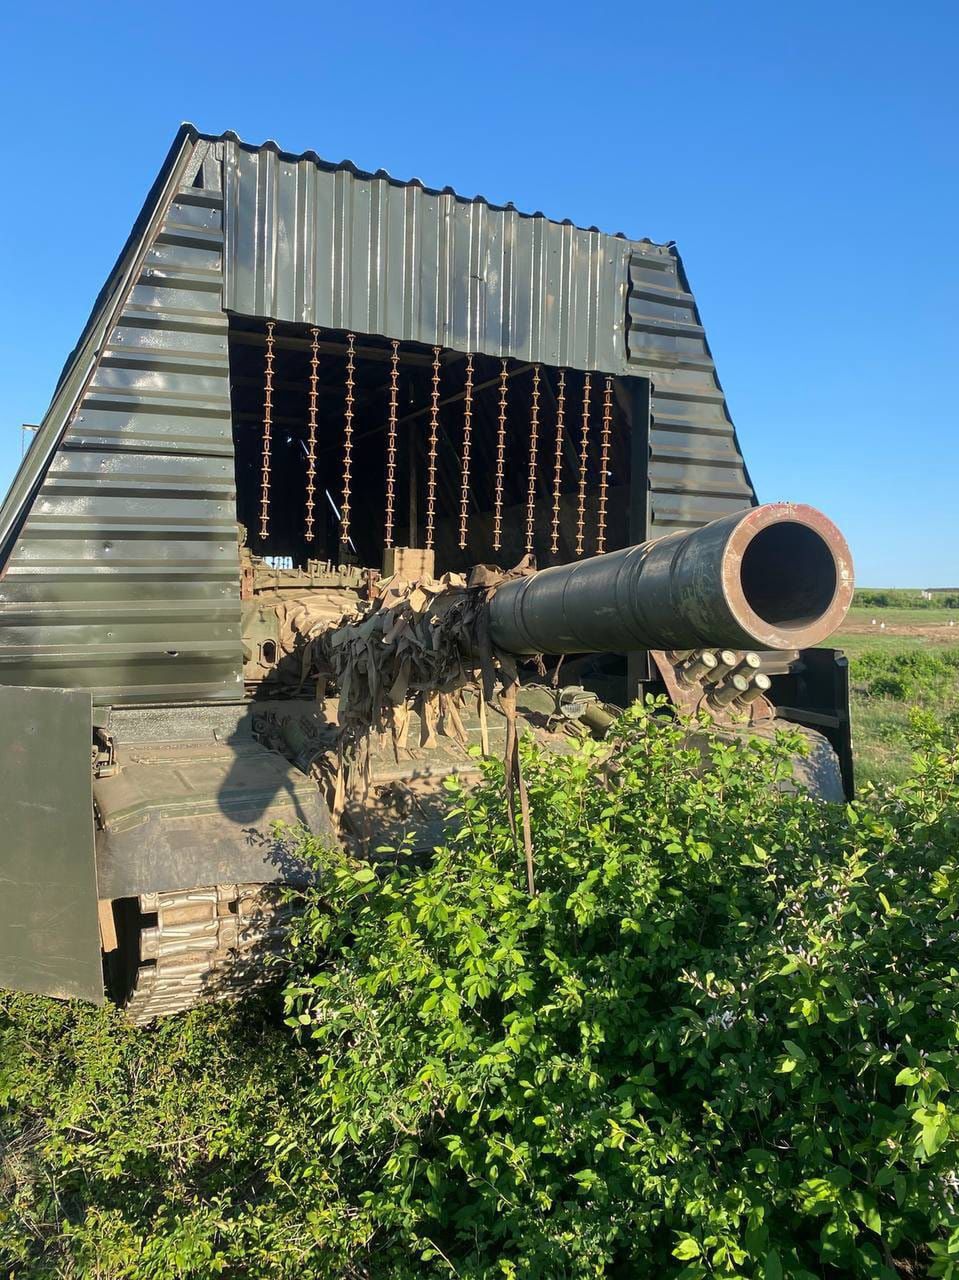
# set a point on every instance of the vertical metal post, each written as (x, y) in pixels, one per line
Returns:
(558, 460)
(311, 437)
(531, 481)
(467, 445)
(640, 392)
(432, 451)
(640, 419)
(267, 433)
(604, 443)
(348, 438)
(500, 460)
(391, 446)
(583, 470)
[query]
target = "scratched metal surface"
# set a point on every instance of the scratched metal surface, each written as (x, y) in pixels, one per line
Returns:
(49, 934)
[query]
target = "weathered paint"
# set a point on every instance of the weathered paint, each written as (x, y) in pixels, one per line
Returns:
(49, 934)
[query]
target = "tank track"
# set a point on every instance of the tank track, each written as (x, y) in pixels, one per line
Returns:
(213, 943)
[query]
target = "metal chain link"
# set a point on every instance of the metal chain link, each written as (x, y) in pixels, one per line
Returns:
(558, 459)
(467, 446)
(500, 461)
(348, 438)
(432, 447)
(583, 468)
(604, 442)
(391, 446)
(311, 437)
(533, 445)
(267, 433)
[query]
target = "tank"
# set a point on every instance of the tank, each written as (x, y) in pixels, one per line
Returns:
(296, 534)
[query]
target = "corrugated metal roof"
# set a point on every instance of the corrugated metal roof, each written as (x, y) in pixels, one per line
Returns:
(328, 245)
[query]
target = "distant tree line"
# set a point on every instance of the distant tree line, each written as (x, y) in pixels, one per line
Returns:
(905, 598)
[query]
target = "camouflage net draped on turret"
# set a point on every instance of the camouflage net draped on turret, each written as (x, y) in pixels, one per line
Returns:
(418, 647)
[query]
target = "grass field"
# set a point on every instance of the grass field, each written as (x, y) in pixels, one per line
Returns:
(911, 662)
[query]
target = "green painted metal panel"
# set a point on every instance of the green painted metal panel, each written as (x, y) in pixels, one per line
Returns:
(49, 932)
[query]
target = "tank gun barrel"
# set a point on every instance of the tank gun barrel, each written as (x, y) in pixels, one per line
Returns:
(777, 576)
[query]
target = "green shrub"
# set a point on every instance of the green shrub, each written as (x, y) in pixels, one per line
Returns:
(910, 675)
(720, 1041)
(143, 1153)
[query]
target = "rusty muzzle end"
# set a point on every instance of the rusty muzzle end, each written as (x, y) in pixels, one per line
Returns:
(771, 577)
(787, 576)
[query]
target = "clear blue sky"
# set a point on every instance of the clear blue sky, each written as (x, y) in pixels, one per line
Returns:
(803, 156)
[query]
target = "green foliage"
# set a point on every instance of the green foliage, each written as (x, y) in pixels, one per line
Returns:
(910, 675)
(904, 598)
(892, 679)
(721, 1041)
(143, 1153)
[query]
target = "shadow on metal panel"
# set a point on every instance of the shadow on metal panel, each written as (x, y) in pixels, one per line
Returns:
(49, 935)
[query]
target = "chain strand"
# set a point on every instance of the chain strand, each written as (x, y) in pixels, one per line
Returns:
(467, 446)
(500, 462)
(604, 465)
(267, 433)
(348, 438)
(583, 465)
(533, 444)
(558, 459)
(311, 437)
(391, 446)
(431, 451)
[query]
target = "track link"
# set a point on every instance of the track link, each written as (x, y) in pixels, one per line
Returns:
(213, 943)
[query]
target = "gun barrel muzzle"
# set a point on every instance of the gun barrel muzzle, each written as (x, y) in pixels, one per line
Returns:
(777, 576)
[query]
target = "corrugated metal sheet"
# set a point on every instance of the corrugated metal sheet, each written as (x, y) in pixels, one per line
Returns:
(315, 243)
(124, 579)
(319, 244)
(696, 468)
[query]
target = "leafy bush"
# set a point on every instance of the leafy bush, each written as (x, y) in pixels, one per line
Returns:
(909, 675)
(142, 1153)
(721, 1041)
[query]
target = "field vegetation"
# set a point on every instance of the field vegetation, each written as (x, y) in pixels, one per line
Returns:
(905, 598)
(904, 665)
(722, 1040)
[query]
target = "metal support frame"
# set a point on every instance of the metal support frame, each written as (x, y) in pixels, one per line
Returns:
(640, 413)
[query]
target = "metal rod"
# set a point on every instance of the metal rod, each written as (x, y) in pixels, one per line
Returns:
(500, 460)
(583, 465)
(267, 433)
(460, 395)
(391, 446)
(348, 439)
(558, 460)
(604, 442)
(531, 482)
(328, 348)
(467, 445)
(311, 436)
(432, 450)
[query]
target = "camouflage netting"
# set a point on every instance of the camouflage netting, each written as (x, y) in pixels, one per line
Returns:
(417, 648)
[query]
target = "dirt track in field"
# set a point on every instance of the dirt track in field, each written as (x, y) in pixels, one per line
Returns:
(936, 635)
